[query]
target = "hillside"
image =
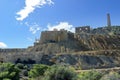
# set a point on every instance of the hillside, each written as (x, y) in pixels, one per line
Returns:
(83, 49)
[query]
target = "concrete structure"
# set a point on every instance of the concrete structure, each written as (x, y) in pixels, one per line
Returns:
(108, 20)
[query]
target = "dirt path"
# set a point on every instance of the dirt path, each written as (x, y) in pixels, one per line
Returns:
(95, 52)
(100, 70)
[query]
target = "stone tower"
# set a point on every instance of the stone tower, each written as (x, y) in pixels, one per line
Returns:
(108, 20)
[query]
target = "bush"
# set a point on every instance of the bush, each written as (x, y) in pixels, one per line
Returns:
(6, 79)
(37, 70)
(111, 76)
(3, 74)
(90, 75)
(60, 72)
(8, 71)
(20, 65)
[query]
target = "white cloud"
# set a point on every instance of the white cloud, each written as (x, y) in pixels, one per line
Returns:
(50, 2)
(62, 25)
(30, 6)
(3, 45)
(34, 28)
(29, 39)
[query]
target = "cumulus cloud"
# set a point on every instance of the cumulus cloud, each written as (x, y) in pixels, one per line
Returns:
(30, 6)
(61, 25)
(3, 45)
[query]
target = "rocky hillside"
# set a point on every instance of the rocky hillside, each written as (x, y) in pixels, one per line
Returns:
(83, 51)
(79, 60)
(99, 42)
(79, 42)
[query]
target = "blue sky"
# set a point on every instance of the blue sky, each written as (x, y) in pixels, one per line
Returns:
(21, 21)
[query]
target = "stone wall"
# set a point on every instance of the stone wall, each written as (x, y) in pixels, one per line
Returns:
(53, 36)
(83, 29)
(12, 50)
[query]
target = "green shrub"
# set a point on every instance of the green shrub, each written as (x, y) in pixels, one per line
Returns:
(60, 72)
(111, 76)
(90, 75)
(12, 75)
(6, 79)
(20, 66)
(5, 66)
(8, 71)
(3, 74)
(37, 70)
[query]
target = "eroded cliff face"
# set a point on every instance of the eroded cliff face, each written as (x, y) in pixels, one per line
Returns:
(100, 42)
(79, 60)
(90, 59)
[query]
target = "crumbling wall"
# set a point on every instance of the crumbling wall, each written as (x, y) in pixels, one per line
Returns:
(10, 55)
(12, 50)
(83, 29)
(53, 36)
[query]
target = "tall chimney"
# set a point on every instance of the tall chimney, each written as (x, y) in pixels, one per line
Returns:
(108, 20)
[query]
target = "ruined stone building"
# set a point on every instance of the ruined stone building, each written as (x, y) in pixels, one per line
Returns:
(54, 36)
(83, 29)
